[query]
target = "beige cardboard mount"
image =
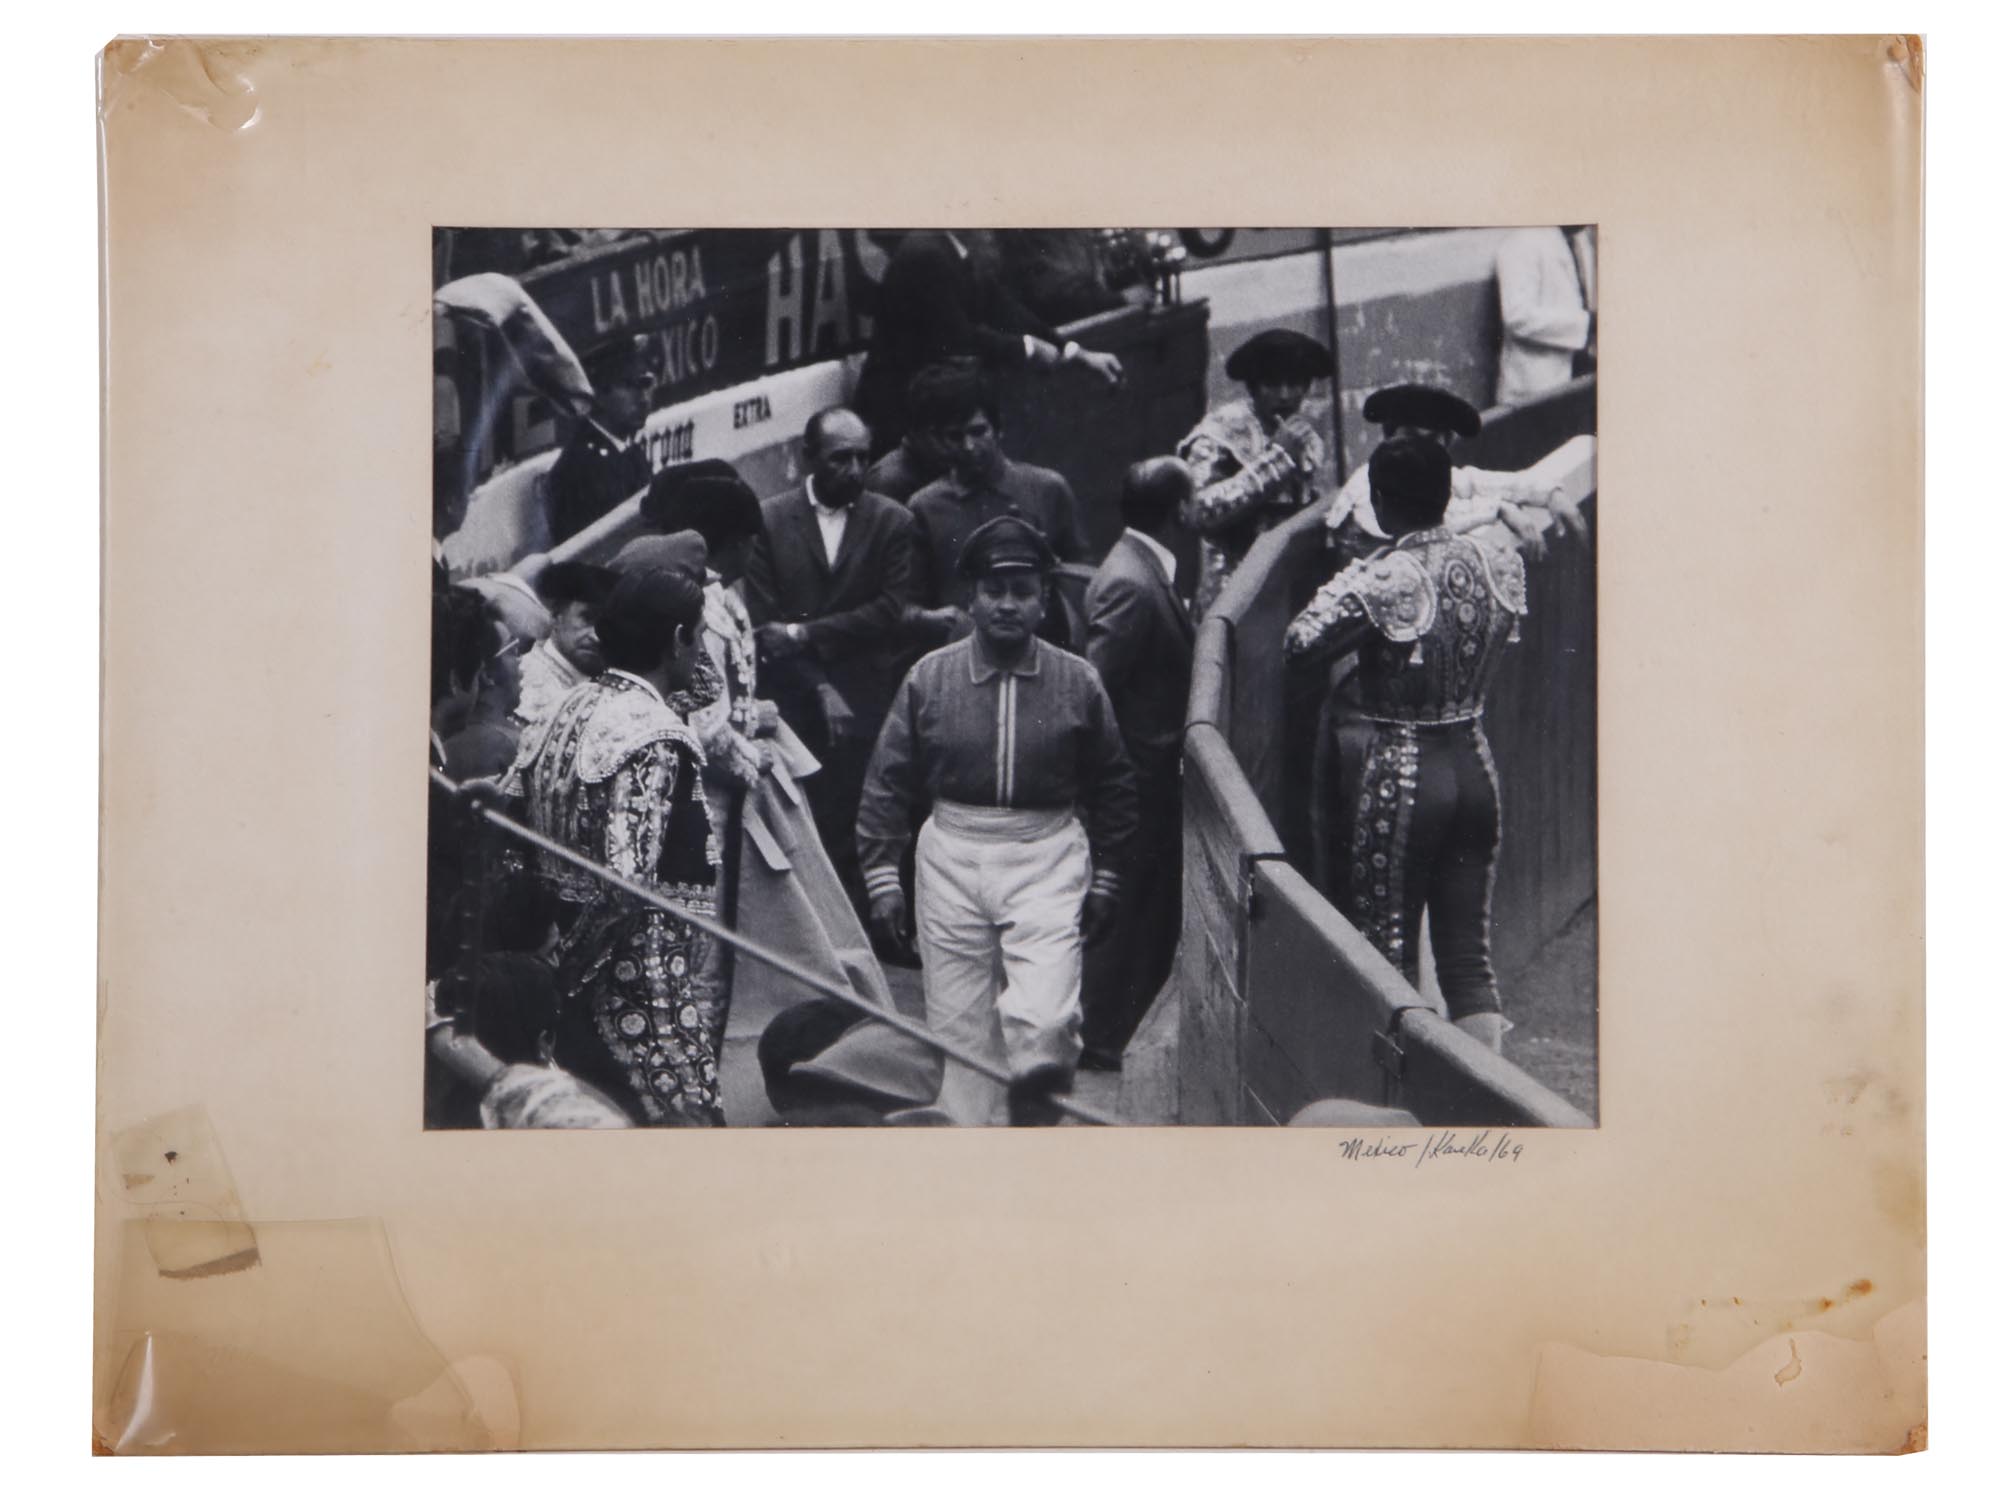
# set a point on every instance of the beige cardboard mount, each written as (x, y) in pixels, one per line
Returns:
(1734, 1259)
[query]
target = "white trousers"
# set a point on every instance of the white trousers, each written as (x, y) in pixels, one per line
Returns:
(999, 901)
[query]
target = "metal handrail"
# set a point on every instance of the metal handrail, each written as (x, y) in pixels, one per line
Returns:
(831, 989)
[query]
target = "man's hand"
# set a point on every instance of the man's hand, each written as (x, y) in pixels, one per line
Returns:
(777, 642)
(1042, 355)
(1296, 436)
(1106, 367)
(840, 722)
(768, 717)
(477, 793)
(1533, 546)
(889, 920)
(1100, 910)
(1568, 517)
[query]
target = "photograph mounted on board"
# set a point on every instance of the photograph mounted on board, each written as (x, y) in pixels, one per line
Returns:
(1035, 677)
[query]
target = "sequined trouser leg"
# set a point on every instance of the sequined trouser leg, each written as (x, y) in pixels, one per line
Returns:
(1417, 823)
(632, 1024)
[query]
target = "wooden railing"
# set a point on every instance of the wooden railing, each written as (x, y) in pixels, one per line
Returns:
(1280, 1000)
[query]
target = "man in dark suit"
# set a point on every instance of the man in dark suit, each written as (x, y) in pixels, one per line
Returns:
(941, 296)
(1141, 640)
(826, 585)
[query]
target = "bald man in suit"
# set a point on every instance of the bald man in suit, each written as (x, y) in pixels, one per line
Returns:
(826, 585)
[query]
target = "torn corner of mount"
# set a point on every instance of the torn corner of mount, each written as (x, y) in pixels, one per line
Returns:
(197, 77)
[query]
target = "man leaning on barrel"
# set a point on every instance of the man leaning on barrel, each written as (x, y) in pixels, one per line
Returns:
(1015, 745)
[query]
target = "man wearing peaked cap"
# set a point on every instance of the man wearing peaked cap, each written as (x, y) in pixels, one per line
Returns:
(1254, 460)
(1014, 745)
(603, 464)
(1479, 497)
(1002, 545)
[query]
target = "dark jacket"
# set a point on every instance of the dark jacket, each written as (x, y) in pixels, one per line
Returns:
(592, 477)
(851, 606)
(899, 474)
(947, 512)
(1141, 641)
(934, 304)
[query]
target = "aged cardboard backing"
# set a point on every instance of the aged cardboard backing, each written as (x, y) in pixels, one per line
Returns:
(1734, 1259)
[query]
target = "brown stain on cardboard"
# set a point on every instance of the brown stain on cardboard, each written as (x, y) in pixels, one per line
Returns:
(1907, 53)
(1794, 1368)
(221, 1265)
(1700, 1339)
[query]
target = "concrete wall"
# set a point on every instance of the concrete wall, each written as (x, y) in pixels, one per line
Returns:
(1419, 305)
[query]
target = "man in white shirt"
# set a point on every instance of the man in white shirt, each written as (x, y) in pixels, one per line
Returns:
(1548, 308)
(1479, 497)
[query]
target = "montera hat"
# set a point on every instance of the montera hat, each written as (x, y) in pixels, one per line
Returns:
(1005, 544)
(1424, 406)
(575, 583)
(1279, 354)
(681, 491)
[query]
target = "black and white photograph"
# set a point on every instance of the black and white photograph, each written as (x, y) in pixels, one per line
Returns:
(1033, 677)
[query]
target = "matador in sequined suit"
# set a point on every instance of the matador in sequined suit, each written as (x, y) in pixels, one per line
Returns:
(1258, 460)
(1412, 805)
(615, 774)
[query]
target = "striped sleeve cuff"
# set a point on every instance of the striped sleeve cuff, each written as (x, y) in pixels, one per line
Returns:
(1104, 883)
(882, 881)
